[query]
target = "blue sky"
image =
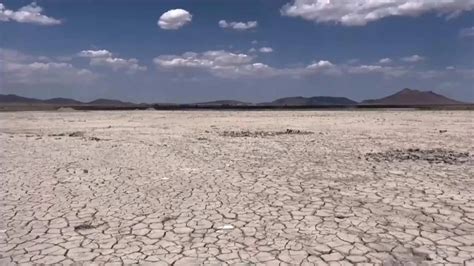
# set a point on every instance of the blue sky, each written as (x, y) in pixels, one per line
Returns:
(250, 50)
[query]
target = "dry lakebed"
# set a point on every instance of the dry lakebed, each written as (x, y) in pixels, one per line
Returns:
(225, 187)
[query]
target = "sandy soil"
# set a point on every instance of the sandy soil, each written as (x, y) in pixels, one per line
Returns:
(227, 187)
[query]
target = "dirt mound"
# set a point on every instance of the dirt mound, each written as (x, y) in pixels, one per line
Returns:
(431, 156)
(256, 134)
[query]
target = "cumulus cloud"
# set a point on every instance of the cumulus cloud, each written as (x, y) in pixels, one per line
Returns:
(225, 64)
(19, 68)
(266, 50)
(209, 59)
(233, 65)
(116, 64)
(27, 14)
(219, 63)
(174, 19)
(241, 26)
(361, 12)
(95, 53)
(413, 59)
(106, 59)
(385, 61)
(467, 32)
(320, 64)
(319, 67)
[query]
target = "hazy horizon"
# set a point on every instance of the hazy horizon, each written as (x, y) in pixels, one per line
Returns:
(250, 50)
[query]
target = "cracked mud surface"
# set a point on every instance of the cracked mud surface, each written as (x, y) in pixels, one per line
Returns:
(169, 188)
(431, 156)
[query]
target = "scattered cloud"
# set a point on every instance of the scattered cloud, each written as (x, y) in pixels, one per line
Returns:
(387, 71)
(431, 74)
(174, 19)
(353, 61)
(19, 68)
(95, 53)
(467, 32)
(106, 59)
(240, 26)
(129, 65)
(209, 59)
(413, 59)
(27, 14)
(321, 66)
(385, 61)
(361, 12)
(233, 65)
(219, 63)
(266, 50)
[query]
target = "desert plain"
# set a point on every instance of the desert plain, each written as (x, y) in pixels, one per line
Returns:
(393, 187)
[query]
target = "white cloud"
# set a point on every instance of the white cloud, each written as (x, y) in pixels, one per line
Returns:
(241, 26)
(27, 14)
(227, 64)
(95, 53)
(19, 68)
(209, 59)
(255, 70)
(322, 64)
(233, 65)
(353, 61)
(116, 64)
(467, 32)
(387, 71)
(106, 59)
(413, 59)
(266, 50)
(364, 69)
(219, 63)
(385, 61)
(361, 12)
(174, 19)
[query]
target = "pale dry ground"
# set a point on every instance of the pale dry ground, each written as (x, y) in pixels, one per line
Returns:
(167, 187)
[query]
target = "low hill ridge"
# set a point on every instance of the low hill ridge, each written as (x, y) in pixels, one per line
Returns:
(311, 101)
(413, 97)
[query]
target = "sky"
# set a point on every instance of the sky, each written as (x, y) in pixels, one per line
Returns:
(187, 51)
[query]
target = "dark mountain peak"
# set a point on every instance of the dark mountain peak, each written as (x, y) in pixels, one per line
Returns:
(311, 101)
(12, 98)
(407, 90)
(413, 97)
(224, 102)
(102, 101)
(62, 101)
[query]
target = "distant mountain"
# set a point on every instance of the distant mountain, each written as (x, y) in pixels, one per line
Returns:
(413, 97)
(224, 102)
(60, 101)
(405, 97)
(311, 101)
(12, 98)
(100, 102)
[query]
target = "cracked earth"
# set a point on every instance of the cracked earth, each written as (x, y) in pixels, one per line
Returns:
(174, 188)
